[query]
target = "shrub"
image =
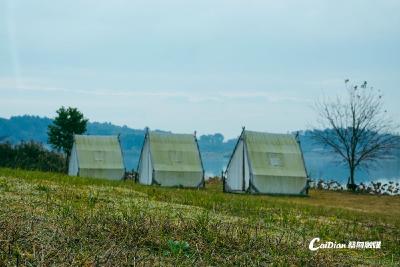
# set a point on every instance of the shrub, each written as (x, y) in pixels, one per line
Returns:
(31, 156)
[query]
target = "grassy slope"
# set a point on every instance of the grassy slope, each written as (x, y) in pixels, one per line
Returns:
(50, 219)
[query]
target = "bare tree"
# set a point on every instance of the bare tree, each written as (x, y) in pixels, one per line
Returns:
(357, 129)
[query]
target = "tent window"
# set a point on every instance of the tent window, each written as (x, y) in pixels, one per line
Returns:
(175, 157)
(275, 160)
(99, 155)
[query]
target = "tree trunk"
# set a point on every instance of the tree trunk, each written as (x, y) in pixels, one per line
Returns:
(350, 183)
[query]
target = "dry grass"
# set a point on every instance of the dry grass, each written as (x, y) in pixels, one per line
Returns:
(384, 206)
(51, 219)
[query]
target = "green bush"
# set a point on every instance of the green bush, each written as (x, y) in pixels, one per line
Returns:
(31, 156)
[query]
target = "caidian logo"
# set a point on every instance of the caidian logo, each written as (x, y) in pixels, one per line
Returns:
(315, 245)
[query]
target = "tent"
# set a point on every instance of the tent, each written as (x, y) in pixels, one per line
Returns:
(96, 156)
(170, 160)
(266, 163)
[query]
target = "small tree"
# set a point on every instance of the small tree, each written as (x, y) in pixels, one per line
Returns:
(61, 133)
(358, 129)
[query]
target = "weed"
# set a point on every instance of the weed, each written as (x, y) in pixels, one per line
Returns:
(4, 186)
(178, 248)
(43, 188)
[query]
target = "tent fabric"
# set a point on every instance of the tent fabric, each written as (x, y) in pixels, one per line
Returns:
(145, 167)
(73, 167)
(174, 159)
(97, 156)
(279, 185)
(177, 178)
(238, 175)
(174, 152)
(274, 154)
(112, 174)
(275, 163)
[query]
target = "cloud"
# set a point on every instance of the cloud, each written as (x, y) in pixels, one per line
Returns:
(12, 41)
(219, 96)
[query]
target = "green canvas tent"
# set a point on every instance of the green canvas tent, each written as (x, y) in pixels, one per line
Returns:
(170, 159)
(96, 156)
(266, 163)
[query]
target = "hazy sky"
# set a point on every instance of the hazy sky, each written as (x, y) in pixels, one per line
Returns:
(208, 65)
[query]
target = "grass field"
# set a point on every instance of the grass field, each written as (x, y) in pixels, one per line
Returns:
(52, 219)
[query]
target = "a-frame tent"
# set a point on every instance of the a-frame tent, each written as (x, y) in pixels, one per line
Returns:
(266, 163)
(96, 156)
(169, 159)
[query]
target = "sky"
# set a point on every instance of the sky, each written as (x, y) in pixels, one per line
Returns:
(209, 65)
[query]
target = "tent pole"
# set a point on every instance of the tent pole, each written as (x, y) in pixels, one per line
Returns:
(304, 162)
(223, 181)
(243, 171)
(122, 154)
(201, 160)
(141, 154)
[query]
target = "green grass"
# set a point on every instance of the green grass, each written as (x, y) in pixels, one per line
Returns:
(53, 219)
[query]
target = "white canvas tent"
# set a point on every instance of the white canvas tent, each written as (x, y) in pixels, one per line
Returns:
(170, 160)
(96, 156)
(266, 163)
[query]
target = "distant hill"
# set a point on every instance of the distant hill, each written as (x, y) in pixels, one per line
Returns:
(215, 150)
